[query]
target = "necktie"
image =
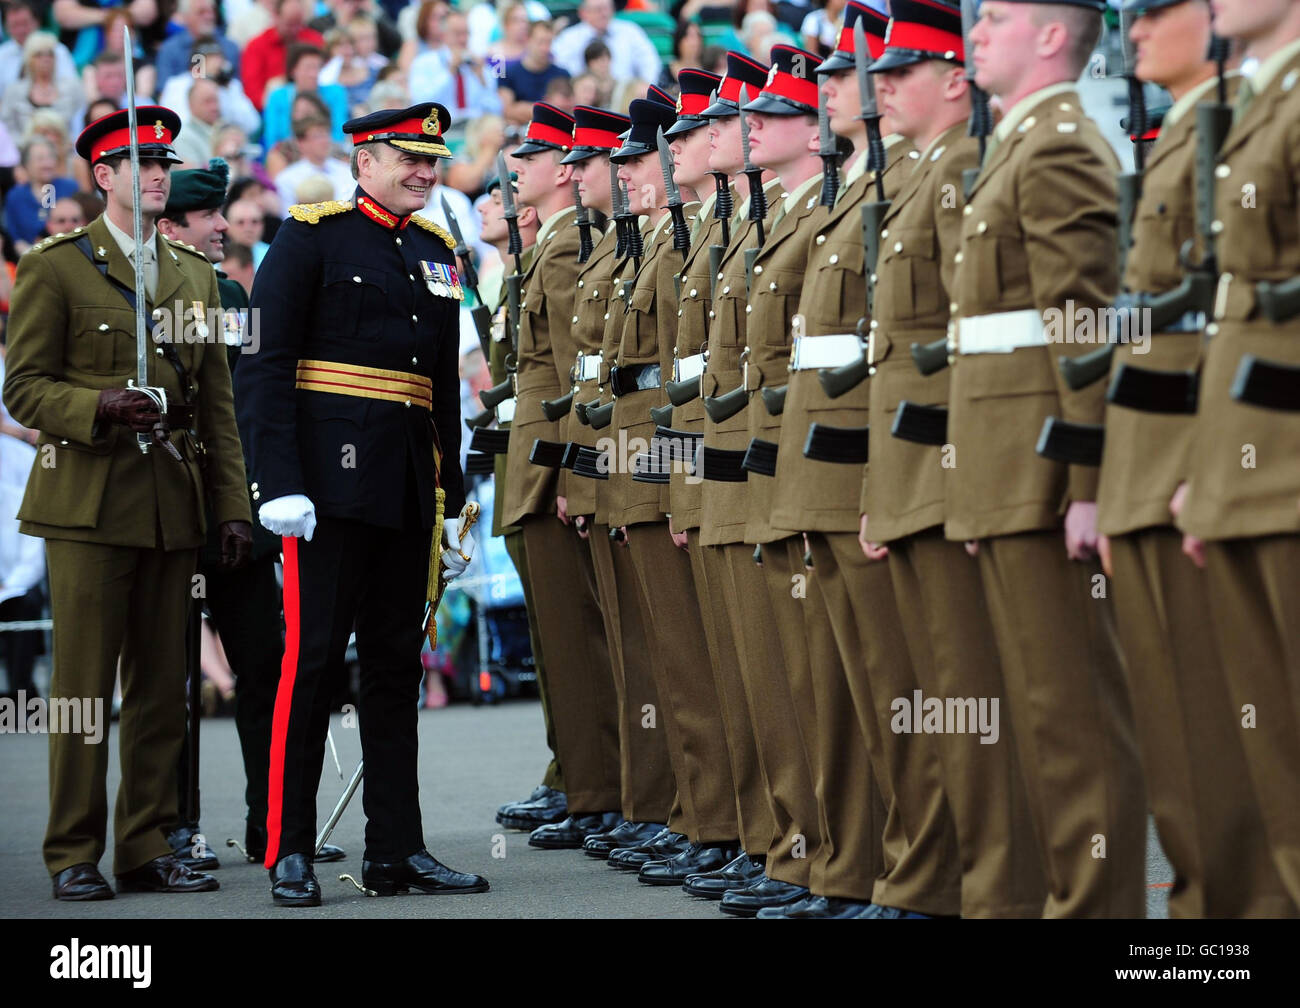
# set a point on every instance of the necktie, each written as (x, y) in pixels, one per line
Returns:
(460, 89)
(150, 264)
(1245, 95)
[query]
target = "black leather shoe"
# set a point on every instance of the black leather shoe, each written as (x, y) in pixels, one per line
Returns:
(666, 844)
(571, 832)
(766, 892)
(191, 847)
(625, 834)
(421, 872)
(329, 853)
(695, 860)
(255, 847)
(875, 911)
(809, 907)
(81, 883)
(545, 805)
(714, 884)
(166, 874)
(293, 882)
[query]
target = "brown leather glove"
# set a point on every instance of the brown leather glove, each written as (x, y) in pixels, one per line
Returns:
(128, 407)
(236, 544)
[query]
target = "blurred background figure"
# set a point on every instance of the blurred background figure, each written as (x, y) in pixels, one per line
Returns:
(39, 87)
(29, 203)
(21, 18)
(634, 56)
(303, 66)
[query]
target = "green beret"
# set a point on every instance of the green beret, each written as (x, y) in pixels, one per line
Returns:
(198, 188)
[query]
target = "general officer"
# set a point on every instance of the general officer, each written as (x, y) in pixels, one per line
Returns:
(121, 526)
(244, 604)
(351, 410)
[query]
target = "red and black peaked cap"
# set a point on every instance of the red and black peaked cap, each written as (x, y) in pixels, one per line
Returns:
(697, 86)
(922, 30)
(550, 129)
(595, 131)
(741, 70)
(874, 25)
(416, 130)
(791, 87)
(155, 128)
(648, 118)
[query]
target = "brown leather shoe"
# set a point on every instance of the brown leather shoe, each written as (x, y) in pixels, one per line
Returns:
(166, 874)
(80, 883)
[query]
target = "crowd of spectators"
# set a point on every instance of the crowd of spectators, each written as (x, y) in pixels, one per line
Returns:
(268, 84)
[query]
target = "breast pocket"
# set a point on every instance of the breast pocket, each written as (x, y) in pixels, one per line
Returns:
(640, 336)
(909, 282)
(354, 299)
(532, 319)
(993, 251)
(102, 340)
(775, 299)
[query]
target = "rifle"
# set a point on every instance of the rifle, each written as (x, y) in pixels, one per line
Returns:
(480, 313)
(493, 397)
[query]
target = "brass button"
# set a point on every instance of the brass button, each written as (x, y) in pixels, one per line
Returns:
(1223, 171)
(968, 210)
(415, 360)
(398, 240)
(407, 403)
(875, 277)
(692, 294)
(256, 495)
(875, 323)
(748, 309)
(1217, 227)
(952, 308)
(356, 279)
(712, 315)
(1212, 329)
(575, 320)
(758, 270)
(834, 259)
(884, 233)
(410, 277)
(958, 258)
(415, 318)
(898, 246)
(821, 239)
(726, 289)
(983, 226)
(252, 486)
(159, 351)
(772, 285)
(103, 327)
(581, 282)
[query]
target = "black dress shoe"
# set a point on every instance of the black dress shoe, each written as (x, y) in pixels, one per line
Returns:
(191, 847)
(625, 834)
(545, 805)
(166, 874)
(571, 832)
(765, 892)
(329, 853)
(807, 908)
(293, 882)
(81, 883)
(663, 846)
(421, 872)
(695, 860)
(714, 884)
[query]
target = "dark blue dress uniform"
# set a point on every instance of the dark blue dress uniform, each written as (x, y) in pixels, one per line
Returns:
(352, 395)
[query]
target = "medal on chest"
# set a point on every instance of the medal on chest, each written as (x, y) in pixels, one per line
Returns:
(442, 280)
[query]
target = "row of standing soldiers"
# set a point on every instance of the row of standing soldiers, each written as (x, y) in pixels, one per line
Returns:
(859, 584)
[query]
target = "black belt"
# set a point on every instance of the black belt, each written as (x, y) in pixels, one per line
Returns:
(1153, 391)
(570, 456)
(722, 466)
(680, 445)
(591, 464)
(760, 458)
(1270, 384)
(1071, 443)
(492, 442)
(844, 445)
(479, 464)
(547, 453)
(926, 425)
(650, 467)
(634, 378)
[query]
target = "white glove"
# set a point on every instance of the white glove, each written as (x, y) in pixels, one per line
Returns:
(291, 516)
(457, 552)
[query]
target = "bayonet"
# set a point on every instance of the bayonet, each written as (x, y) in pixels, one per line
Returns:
(585, 245)
(828, 151)
(876, 159)
(723, 205)
(681, 233)
(635, 243)
(981, 117)
(480, 313)
(620, 215)
(757, 197)
(511, 213)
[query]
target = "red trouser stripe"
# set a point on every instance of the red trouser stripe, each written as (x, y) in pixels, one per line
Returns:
(283, 701)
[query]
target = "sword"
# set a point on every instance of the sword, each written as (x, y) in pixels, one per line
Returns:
(585, 246)
(828, 152)
(757, 197)
(141, 382)
(681, 233)
(480, 313)
(876, 159)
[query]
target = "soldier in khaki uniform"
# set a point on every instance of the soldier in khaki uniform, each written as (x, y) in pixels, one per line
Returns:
(792, 831)
(1191, 740)
(1038, 242)
(1240, 512)
(568, 616)
(547, 802)
(692, 720)
(122, 528)
(939, 597)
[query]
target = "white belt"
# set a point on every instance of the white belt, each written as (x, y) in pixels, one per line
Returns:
(816, 352)
(1001, 332)
(506, 410)
(588, 367)
(686, 368)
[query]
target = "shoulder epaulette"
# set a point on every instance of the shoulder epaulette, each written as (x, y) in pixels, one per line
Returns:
(57, 239)
(311, 213)
(429, 225)
(177, 243)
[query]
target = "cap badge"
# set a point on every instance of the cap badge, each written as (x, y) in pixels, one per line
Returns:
(771, 74)
(158, 129)
(430, 125)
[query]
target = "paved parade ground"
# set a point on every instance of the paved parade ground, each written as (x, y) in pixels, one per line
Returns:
(471, 760)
